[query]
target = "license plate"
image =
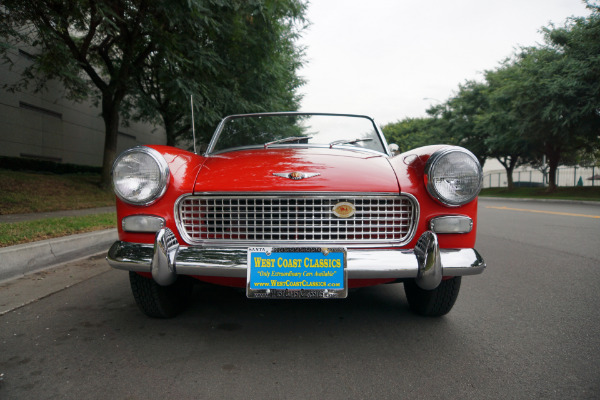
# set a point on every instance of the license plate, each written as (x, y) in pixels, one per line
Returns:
(301, 273)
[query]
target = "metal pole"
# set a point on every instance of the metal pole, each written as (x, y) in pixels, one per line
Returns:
(193, 129)
(575, 176)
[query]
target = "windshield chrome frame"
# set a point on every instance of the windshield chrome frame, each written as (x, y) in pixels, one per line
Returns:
(217, 133)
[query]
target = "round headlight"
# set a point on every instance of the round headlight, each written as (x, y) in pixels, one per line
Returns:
(454, 176)
(140, 175)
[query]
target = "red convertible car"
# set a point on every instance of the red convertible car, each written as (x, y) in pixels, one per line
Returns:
(296, 205)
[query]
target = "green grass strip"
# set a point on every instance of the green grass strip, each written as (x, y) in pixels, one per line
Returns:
(562, 193)
(30, 231)
(30, 192)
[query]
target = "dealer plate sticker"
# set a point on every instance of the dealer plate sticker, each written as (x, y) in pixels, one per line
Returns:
(296, 272)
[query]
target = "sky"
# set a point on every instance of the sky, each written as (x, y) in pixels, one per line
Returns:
(393, 59)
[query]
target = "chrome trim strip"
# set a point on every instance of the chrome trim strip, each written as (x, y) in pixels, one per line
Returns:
(163, 259)
(131, 256)
(362, 264)
(304, 195)
(428, 255)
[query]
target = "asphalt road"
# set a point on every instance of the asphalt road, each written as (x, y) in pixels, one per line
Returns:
(526, 328)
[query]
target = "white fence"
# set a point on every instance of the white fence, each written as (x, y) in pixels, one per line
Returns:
(565, 176)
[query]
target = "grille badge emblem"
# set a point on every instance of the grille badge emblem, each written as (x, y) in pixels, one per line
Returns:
(344, 210)
(296, 175)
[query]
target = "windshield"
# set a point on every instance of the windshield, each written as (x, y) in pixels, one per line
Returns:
(293, 130)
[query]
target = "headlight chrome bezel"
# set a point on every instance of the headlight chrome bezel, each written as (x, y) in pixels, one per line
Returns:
(430, 169)
(163, 178)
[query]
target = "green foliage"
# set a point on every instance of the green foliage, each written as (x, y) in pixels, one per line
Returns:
(454, 122)
(543, 102)
(29, 231)
(29, 192)
(232, 57)
(95, 48)
(411, 133)
(553, 104)
(146, 57)
(503, 136)
(547, 99)
(460, 118)
(260, 60)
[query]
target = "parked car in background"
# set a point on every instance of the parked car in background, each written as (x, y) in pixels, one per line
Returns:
(296, 205)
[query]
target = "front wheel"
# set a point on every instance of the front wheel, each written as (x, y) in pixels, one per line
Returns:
(160, 301)
(432, 303)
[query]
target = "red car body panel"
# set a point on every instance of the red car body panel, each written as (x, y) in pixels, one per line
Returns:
(184, 167)
(247, 171)
(339, 171)
(409, 169)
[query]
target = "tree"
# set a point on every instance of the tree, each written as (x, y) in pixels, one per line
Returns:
(554, 106)
(104, 50)
(504, 138)
(579, 42)
(253, 47)
(460, 115)
(261, 58)
(411, 133)
(554, 94)
(94, 48)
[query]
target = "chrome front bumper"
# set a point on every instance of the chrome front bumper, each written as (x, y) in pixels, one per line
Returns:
(166, 259)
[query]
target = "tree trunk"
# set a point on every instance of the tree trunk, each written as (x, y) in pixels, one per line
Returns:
(553, 159)
(509, 177)
(509, 163)
(169, 129)
(110, 115)
(481, 160)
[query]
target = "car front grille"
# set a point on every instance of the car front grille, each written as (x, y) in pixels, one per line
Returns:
(285, 219)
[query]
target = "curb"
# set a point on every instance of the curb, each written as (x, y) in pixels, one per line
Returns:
(22, 259)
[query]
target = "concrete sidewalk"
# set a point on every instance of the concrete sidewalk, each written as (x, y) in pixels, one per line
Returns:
(22, 259)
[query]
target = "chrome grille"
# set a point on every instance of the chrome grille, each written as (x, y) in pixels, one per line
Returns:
(284, 219)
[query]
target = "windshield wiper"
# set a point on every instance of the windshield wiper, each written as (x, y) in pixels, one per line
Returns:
(287, 139)
(346, 141)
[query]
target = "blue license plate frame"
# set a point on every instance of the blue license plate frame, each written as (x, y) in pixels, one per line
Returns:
(297, 272)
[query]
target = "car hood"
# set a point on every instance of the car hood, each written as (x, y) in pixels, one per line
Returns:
(338, 171)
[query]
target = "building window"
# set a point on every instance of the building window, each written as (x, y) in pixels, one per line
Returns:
(27, 55)
(42, 110)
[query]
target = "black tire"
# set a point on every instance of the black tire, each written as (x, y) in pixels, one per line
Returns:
(432, 303)
(160, 301)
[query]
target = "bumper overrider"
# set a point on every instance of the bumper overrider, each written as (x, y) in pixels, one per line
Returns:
(166, 259)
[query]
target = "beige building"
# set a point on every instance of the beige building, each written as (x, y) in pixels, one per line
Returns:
(47, 126)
